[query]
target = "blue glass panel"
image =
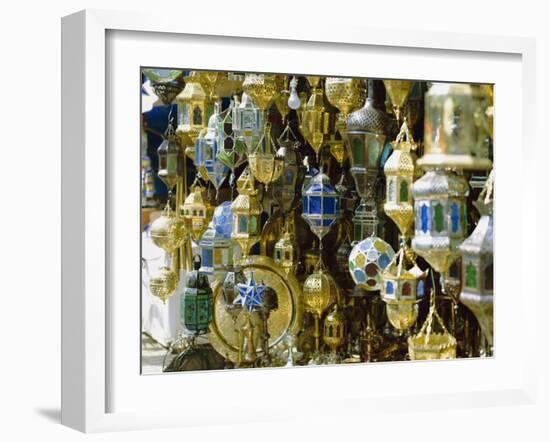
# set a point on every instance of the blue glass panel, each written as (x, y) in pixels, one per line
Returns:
(328, 222)
(315, 204)
(420, 288)
(207, 257)
(316, 222)
(315, 188)
(455, 218)
(389, 288)
(424, 218)
(329, 205)
(305, 207)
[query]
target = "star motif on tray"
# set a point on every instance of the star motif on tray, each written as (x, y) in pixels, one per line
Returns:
(250, 294)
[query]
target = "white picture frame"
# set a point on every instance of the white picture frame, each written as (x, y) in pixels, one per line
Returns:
(90, 315)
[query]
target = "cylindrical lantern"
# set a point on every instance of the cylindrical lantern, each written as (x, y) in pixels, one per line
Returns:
(246, 211)
(450, 132)
(334, 331)
(440, 209)
(197, 302)
(170, 159)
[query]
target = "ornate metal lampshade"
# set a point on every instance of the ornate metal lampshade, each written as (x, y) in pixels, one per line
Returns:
(164, 284)
(167, 83)
(346, 94)
(440, 210)
(196, 211)
(398, 91)
(450, 131)
(367, 260)
(264, 161)
(321, 205)
(197, 301)
(316, 121)
(286, 253)
(170, 159)
(262, 88)
(246, 211)
(168, 231)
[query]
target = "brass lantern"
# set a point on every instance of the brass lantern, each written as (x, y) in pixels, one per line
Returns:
(334, 332)
(399, 171)
(281, 98)
(168, 230)
(402, 289)
(164, 284)
(246, 209)
(477, 265)
(286, 252)
(430, 343)
(450, 132)
(264, 161)
(197, 304)
(167, 83)
(315, 123)
(248, 122)
(440, 209)
(230, 84)
(320, 292)
(192, 110)
(346, 94)
(197, 211)
(262, 88)
(398, 91)
(231, 152)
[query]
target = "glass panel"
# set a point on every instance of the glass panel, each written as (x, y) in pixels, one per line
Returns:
(242, 224)
(471, 276)
(455, 217)
(404, 191)
(315, 205)
(439, 223)
(253, 224)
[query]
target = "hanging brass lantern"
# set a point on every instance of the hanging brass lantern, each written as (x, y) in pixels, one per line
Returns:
(164, 284)
(248, 122)
(320, 292)
(286, 252)
(168, 231)
(399, 171)
(197, 211)
(430, 344)
(316, 121)
(477, 265)
(262, 88)
(450, 133)
(281, 98)
(246, 209)
(230, 84)
(197, 302)
(192, 110)
(231, 153)
(167, 83)
(398, 91)
(264, 161)
(346, 94)
(440, 209)
(401, 290)
(334, 332)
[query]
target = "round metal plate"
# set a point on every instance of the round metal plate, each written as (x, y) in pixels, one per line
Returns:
(286, 318)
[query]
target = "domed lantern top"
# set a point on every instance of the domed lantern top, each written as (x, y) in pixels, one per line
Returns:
(321, 205)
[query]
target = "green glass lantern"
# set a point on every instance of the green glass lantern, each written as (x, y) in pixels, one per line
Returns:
(197, 301)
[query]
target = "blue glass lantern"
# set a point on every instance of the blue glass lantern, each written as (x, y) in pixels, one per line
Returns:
(206, 152)
(321, 205)
(197, 301)
(217, 247)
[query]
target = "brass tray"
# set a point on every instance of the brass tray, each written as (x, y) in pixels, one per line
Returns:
(287, 317)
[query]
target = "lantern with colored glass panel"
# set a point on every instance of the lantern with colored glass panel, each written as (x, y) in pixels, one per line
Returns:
(231, 152)
(170, 159)
(206, 153)
(286, 252)
(321, 205)
(192, 110)
(196, 211)
(402, 289)
(246, 209)
(197, 302)
(440, 209)
(368, 260)
(264, 161)
(477, 266)
(247, 122)
(217, 251)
